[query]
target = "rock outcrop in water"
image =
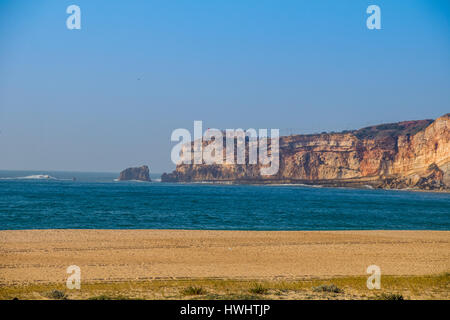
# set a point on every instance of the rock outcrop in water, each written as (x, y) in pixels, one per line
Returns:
(410, 154)
(138, 173)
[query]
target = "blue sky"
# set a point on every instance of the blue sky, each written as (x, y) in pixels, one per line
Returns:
(108, 96)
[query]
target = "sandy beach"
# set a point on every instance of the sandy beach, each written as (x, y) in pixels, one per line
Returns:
(42, 256)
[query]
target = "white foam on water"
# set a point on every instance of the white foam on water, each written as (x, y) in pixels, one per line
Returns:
(38, 176)
(132, 180)
(35, 177)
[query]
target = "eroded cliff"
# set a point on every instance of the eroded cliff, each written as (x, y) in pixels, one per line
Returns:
(410, 154)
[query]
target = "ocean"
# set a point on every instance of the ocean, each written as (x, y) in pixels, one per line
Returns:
(54, 200)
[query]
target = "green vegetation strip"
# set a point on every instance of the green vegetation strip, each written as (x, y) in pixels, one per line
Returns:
(392, 288)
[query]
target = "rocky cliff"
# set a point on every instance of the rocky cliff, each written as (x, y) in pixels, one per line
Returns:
(139, 173)
(410, 154)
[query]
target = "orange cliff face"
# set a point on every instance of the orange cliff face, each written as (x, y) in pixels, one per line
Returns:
(426, 154)
(410, 154)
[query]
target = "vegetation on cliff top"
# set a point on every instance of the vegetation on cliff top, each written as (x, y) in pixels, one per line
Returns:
(392, 129)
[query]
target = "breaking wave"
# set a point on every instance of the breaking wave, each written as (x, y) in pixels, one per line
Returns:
(34, 177)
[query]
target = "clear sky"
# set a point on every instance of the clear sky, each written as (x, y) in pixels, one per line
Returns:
(108, 96)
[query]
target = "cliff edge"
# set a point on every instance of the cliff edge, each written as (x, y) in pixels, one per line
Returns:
(409, 154)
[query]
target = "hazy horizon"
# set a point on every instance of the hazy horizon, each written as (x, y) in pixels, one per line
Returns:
(155, 173)
(108, 96)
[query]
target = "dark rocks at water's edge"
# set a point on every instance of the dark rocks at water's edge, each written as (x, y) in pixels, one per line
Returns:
(137, 173)
(169, 177)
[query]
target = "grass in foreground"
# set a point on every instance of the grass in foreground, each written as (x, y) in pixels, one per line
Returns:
(193, 291)
(258, 288)
(390, 296)
(392, 288)
(327, 288)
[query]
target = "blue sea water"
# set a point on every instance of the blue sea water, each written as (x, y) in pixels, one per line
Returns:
(95, 200)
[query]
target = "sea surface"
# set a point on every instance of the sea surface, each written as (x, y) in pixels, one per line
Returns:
(48, 200)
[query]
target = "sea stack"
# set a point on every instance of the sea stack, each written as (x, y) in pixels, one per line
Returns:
(137, 173)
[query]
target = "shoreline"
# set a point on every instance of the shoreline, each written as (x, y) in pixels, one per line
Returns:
(307, 184)
(278, 184)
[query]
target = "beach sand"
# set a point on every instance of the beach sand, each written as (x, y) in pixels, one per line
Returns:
(183, 264)
(42, 256)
